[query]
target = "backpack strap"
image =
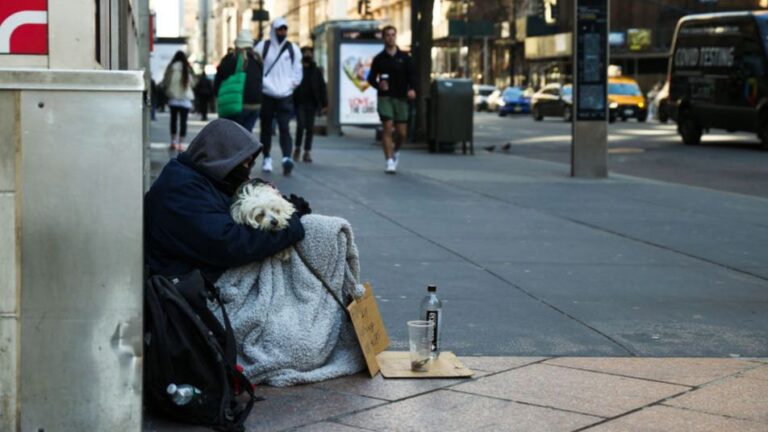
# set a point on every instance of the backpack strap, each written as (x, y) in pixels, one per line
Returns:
(322, 281)
(264, 50)
(287, 46)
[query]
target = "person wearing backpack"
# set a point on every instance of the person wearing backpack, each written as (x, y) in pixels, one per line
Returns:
(237, 100)
(187, 222)
(282, 74)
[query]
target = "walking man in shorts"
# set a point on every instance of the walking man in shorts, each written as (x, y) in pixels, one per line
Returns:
(392, 74)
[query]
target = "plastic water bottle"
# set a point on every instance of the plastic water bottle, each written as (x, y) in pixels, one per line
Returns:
(432, 310)
(182, 394)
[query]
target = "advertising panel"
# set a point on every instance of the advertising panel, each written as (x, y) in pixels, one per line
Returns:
(638, 39)
(357, 98)
(591, 59)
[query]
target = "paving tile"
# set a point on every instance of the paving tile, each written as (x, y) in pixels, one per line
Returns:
(291, 407)
(155, 424)
(571, 389)
(686, 371)
(760, 373)
(383, 388)
(329, 427)
(736, 397)
(497, 364)
(667, 419)
(447, 411)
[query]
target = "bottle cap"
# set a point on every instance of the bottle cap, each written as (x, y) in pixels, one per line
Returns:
(431, 288)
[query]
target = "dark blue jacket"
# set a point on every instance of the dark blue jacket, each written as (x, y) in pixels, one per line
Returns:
(188, 225)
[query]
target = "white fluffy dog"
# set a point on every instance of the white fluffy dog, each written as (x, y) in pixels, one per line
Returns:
(260, 205)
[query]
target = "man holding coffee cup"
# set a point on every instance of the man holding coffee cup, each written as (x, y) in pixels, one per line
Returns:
(393, 75)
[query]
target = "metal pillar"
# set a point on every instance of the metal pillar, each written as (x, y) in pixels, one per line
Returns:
(589, 148)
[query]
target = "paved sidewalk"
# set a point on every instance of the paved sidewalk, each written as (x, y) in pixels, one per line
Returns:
(608, 305)
(529, 394)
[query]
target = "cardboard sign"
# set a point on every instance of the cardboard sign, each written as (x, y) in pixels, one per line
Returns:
(369, 328)
(397, 364)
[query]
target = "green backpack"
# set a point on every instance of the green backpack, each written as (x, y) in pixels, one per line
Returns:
(230, 96)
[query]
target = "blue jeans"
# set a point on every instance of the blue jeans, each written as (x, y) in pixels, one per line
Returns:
(246, 118)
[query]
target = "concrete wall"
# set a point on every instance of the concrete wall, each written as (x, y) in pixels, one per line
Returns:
(10, 348)
(71, 228)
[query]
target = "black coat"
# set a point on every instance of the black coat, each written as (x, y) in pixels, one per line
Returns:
(188, 225)
(203, 89)
(253, 76)
(312, 89)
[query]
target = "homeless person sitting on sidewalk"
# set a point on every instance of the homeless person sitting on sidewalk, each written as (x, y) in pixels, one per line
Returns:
(289, 328)
(187, 219)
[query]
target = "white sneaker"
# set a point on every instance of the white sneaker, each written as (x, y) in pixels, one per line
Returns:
(391, 166)
(266, 166)
(396, 158)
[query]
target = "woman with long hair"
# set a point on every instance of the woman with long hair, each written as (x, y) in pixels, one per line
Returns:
(178, 83)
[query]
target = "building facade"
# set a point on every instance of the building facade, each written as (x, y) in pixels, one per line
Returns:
(640, 39)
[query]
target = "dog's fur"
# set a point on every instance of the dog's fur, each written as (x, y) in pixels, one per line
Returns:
(261, 206)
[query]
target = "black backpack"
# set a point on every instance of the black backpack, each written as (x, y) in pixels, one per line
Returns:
(184, 344)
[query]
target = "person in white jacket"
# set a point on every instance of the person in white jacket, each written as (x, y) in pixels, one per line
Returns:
(282, 74)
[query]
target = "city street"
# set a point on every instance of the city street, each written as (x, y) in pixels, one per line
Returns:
(732, 162)
(532, 262)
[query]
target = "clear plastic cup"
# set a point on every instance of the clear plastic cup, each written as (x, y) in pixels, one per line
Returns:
(420, 344)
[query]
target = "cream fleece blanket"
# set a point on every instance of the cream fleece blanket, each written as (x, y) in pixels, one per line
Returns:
(288, 328)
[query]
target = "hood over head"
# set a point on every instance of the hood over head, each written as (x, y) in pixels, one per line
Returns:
(220, 147)
(277, 23)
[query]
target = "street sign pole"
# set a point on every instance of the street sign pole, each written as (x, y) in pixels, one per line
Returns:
(589, 147)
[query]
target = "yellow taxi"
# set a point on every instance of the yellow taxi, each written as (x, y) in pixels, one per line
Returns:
(625, 100)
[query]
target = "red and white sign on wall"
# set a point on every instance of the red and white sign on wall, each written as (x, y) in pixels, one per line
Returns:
(23, 26)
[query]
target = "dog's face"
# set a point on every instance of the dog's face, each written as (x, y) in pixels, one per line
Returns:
(261, 206)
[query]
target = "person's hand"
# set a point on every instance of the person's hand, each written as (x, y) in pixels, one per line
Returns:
(411, 94)
(300, 204)
(384, 85)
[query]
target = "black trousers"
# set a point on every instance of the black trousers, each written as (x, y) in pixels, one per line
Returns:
(179, 113)
(305, 123)
(280, 108)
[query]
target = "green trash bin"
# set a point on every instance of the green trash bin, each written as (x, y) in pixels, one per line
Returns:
(450, 114)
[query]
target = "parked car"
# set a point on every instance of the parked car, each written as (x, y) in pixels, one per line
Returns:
(718, 74)
(482, 91)
(625, 100)
(514, 100)
(553, 100)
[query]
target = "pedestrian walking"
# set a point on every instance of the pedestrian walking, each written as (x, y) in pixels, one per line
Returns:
(178, 83)
(203, 96)
(309, 97)
(238, 83)
(282, 74)
(392, 74)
